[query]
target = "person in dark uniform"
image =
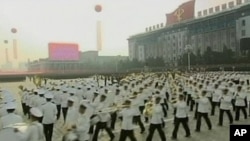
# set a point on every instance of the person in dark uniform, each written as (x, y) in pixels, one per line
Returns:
(181, 116)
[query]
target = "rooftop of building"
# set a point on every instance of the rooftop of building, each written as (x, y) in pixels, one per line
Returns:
(184, 23)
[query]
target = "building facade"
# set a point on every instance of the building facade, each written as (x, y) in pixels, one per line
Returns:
(218, 30)
(89, 62)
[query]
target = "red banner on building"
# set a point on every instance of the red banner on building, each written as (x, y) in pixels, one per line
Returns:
(182, 13)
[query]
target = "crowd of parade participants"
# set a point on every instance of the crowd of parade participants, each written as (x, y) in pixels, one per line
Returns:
(88, 107)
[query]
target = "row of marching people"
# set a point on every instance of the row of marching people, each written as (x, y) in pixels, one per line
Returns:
(88, 108)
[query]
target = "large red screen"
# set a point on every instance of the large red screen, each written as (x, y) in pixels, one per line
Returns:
(63, 51)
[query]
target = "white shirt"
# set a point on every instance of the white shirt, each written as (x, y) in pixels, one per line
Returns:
(64, 103)
(71, 117)
(10, 119)
(240, 99)
(58, 98)
(127, 118)
(34, 132)
(82, 127)
(157, 114)
(104, 117)
(181, 109)
(225, 102)
(49, 111)
(135, 106)
(203, 106)
(40, 101)
(216, 95)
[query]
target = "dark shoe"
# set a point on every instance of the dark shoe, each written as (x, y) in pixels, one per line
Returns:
(142, 131)
(210, 128)
(219, 124)
(173, 138)
(112, 138)
(197, 130)
(187, 136)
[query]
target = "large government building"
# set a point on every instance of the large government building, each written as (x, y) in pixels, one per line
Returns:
(223, 26)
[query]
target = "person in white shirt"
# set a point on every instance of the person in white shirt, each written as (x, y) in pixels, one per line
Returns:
(82, 124)
(156, 121)
(127, 126)
(64, 103)
(240, 103)
(34, 131)
(137, 117)
(24, 101)
(49, 111)
(203, 110)
(215, 98)
(58, 101)
(181, 116)
(41, 100)
(225, 106)
(71, 114)
(11, 118)
(116, 99)
(104, 118)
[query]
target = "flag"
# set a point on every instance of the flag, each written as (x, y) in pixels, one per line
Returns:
(184, 12)
(15, 49)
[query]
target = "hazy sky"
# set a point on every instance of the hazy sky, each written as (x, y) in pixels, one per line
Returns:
(42, 21)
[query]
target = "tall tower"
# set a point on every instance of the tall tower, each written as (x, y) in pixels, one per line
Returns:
(15, 50)
(99, 42)
(7, 55)
(99, 38)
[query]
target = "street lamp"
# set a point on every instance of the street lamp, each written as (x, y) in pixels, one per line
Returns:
(188, 49)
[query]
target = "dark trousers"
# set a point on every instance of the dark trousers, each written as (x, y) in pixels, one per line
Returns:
(166, 104)
(233, 104)
(58, 111)
(210, 100)
(113, 120)
(214, 104)
(249, 108)
(221, 116)
(164, 109)
(137, 120)
(146, 118)
(40, 119)
(64, 112)
(192, 105)
(167, 96)
(184, 122)
(189, 99)
(28, 111)
(141, 108)
(205, 116)
(24, 109)
(99, 126)
(237, 112)
(152, 128)
(196, 111)
(48, 131)
(127, 133)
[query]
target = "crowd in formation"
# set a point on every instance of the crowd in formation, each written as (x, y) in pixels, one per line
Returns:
(88, 107)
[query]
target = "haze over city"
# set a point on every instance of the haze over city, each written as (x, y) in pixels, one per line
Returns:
(74, 21)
